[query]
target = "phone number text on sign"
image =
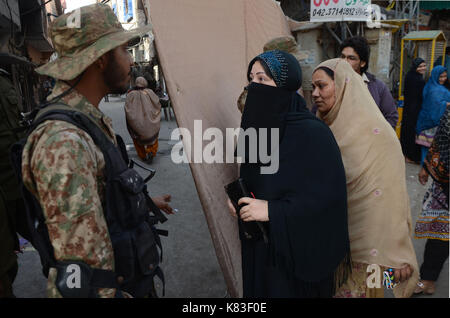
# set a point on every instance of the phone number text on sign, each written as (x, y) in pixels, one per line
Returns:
(340, 10)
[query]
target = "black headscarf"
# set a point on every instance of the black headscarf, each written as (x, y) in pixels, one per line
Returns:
(308, 249)
(416, 62)
(283, 68)
(267, 106)
(414, 81)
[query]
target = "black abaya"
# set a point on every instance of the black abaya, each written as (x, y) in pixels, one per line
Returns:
(308, 248)
(414, 84)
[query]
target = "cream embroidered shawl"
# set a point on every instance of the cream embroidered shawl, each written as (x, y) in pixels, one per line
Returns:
(379, 215)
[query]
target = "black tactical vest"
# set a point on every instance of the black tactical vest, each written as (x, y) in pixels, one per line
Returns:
(128, 209)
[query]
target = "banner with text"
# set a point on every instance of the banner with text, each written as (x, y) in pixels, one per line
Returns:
(340, 10)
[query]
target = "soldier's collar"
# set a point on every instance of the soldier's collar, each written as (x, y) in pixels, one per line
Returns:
(75, 99)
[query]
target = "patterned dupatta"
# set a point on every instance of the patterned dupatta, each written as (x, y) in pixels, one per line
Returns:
(437, 160)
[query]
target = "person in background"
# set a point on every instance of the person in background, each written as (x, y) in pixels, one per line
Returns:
(11, 203)
(414, 84)
(446, 65)
(447, 59)
(432, 223)
(435, 100)
(379, 218)
(148, 74)
(143, 116)
(356, 51)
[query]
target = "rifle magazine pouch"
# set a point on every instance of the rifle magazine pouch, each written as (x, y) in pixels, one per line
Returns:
(130, 202)
(131, 181)
(124, 255)
(147, 250)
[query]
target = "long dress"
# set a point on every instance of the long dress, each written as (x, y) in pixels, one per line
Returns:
(143, 116)
(433, 220)
(414, 84)
(308, 248)
(379, 217)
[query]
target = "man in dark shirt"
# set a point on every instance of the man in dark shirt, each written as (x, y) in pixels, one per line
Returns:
(11, 203)
(356, 51)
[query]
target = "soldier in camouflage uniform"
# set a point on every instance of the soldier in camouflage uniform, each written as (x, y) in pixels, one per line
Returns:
(11, 202)
(62, 166)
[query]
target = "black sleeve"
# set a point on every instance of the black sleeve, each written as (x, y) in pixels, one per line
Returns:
(308, 225)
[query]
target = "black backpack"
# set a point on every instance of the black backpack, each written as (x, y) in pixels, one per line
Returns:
(130, 214)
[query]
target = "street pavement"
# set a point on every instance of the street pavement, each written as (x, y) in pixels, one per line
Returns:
(189, 260)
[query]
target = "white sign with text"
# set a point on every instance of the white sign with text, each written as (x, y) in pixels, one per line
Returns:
(340, 10)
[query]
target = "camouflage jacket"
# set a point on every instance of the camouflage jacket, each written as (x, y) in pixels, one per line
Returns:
(64, 169)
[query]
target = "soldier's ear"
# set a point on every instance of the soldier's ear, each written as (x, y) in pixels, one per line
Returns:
(102, 61)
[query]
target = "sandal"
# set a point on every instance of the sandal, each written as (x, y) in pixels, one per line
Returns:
(426, 286)
(148, 158)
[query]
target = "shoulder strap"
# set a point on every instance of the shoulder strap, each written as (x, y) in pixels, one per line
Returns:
(47, 113)
(89, 125)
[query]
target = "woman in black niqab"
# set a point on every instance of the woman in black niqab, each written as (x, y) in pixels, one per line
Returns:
(303, 206)
(414, 84)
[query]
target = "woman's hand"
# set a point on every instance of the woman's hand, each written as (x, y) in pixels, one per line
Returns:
(423, 176)
(162, 202)
(231, 208)
(255, 210)
(402, 274)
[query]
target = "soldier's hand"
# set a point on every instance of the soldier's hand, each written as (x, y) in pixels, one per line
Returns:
(162, 202)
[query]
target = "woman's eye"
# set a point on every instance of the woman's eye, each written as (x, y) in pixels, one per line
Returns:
(262, 79)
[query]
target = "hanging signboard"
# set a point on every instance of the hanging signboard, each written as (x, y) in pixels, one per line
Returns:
(340, 10)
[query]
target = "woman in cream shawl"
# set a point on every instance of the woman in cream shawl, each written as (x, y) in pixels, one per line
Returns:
(379, 217)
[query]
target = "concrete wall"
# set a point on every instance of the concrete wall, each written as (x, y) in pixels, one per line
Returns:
(380, 41)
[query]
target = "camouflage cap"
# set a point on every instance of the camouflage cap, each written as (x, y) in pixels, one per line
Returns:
(82, 36)
(286, 44)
